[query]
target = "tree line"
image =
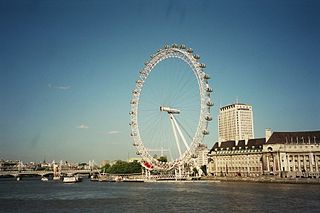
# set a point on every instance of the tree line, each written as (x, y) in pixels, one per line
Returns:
(122, 167)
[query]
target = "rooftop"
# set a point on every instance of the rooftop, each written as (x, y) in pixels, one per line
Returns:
(301, 137)
(233, 105)
(257, 142)
(294, 137)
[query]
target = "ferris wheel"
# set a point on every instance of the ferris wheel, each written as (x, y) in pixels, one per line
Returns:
(170, 108)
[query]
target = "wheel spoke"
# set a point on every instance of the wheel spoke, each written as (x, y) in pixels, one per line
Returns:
(152, 99)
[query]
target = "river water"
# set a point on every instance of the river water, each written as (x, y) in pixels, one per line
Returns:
(33, 195)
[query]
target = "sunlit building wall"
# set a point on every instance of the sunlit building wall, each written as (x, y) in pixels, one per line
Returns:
(236, 122)
(283, 154)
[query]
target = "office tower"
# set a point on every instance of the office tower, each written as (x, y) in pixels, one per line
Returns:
(236, 122)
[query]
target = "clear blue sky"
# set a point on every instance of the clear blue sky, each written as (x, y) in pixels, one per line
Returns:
(67, 68)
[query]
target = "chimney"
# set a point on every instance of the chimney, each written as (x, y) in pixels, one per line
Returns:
(246, 139)
(219, 141)
(268, 134)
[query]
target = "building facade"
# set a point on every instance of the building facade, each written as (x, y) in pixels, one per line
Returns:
(284, 154)
(242, 158)
(292, 154)
(235, 122)
(201, 155)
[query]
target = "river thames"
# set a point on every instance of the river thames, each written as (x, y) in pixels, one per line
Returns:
(32, 195)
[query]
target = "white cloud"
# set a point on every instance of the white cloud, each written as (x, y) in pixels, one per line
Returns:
(113, 132)
(82, 126)
(64, 87)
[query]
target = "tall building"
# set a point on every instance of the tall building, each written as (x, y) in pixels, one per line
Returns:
(236, 122)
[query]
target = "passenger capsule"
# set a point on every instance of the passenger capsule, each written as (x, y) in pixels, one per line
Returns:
(208, 118)
(205, 132)
(139, 81)
(209, 89)
(202, 65)
(206, 76)
(189, 50)
(135, 144)
(133, 134)
(132, 102)
(138, 153)
(131, 113)
(166, 46)
(142, 72)
(182, 46)
(196, 57)
(194, 156)
(209, 103)
(174, 45)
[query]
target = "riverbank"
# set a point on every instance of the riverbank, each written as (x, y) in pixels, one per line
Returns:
(264, 179)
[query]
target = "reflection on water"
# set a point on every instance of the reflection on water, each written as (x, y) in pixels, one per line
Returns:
(37, 196)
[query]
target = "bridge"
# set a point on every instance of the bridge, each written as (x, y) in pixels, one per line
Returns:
(45, 173)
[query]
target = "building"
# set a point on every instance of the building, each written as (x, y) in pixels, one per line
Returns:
(130, 160)
(236, 158)
(284, 154)
(236, 122)
(292, 154)
(201, 155)
(9, 165)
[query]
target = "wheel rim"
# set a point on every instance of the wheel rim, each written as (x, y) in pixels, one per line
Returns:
(186, 55)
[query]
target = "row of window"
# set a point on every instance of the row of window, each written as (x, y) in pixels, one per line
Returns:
(239, 169)
(301, 146)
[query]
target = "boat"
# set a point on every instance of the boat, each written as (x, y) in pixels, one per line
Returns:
(118, 179)
(56, 178)
(71, 179)
(104, 177)
(44, 178)
(18, 178)
(94, 178)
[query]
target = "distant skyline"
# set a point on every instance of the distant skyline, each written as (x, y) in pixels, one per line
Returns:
(67, 68)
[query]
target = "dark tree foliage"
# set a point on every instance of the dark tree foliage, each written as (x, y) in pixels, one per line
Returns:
(105, 168)
(122, 167)
(204, 169)
(163, 159)
(194, 171)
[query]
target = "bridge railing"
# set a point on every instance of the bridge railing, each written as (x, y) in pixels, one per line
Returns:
(42, 173)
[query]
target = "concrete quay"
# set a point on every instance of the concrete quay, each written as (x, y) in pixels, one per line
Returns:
(263, 179)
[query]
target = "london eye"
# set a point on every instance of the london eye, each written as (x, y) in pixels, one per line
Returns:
(170, 108)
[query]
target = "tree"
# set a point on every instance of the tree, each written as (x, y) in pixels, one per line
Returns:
(194, 171)
(105, 168)
(163, 159)
(204, 169)
(135, 167)
(123, 167)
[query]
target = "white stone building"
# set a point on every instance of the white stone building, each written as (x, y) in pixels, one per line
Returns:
(236, 122)
(232, 158)
(292, 154)
(284, 154)
(202, 155)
